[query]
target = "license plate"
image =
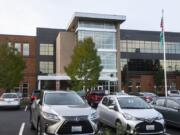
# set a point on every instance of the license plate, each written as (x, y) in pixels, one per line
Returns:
(76, 129)
(150, 127)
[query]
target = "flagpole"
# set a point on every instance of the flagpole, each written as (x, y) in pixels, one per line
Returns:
(164, 45)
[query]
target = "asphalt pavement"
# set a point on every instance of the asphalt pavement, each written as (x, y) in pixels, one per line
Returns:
(16, 122)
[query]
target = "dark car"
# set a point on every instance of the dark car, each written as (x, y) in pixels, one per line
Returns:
(147, 96)
(170, 108)
(94, 97)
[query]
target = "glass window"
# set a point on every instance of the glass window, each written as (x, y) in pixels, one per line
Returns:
(63, 99)
(25, 89)
(105, 101)
(18, 46)
(108, 60)
(26, 49)
(160, 102)
(46, 49)
(172, 104)
(46, 67)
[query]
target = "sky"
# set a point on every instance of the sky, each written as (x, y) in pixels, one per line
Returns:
(22, 17)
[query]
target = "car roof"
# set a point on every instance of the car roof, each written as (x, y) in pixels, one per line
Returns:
(170, 97)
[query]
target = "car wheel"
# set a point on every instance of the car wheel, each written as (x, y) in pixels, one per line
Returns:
(119, 128)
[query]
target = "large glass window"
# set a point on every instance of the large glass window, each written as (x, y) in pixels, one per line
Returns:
(46, 67)
(18, 46)
(102, 40)
(98, 25)
(46, 49)
(26, 49)
(149, 46)
(108, 60)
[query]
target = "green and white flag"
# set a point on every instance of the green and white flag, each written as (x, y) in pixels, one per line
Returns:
(162, 32)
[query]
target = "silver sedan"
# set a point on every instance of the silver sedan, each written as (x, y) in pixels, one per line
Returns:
(9, 100)
(130, 115)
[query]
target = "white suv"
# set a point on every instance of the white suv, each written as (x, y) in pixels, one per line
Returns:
(130, 114)
(62, 112)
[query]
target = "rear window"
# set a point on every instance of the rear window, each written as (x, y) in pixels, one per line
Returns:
(9, 96)
(160, 102)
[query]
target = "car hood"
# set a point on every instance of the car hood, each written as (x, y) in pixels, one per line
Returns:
(142, 113)
(71, 110)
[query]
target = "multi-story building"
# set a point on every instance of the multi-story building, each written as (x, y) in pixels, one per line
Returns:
(50, 51)
(140, 50)
(26, 46)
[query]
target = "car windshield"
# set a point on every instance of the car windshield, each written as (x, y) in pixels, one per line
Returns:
(9, 96)
(149, 94)
(133, 103)
(63, 99)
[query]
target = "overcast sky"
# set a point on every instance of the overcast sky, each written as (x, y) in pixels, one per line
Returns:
(23, 16)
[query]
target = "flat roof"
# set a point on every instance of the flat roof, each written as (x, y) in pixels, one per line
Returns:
(95, 17)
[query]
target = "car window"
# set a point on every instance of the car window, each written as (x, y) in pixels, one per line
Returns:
(111, 102)
(9, 96)
(105, 101)
(172, 104)
(133, 103)
(63, 99)
(160, 102)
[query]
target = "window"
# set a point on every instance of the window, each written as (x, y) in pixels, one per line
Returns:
(160, 102)
(111, 102)
(105, 101)
(46, 49)
(25, 89)
(172, 104)
(18, 46)
(26, 49)
(46, 67)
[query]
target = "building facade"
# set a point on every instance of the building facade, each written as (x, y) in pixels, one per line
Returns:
(127, 56)
(26, 45)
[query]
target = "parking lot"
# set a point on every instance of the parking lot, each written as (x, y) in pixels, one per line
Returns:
(16, 122)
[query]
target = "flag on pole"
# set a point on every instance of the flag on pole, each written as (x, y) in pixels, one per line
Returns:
(162, 32)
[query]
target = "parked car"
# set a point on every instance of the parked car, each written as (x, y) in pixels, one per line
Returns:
(63, 112)
(170, 109)
(173, 93)
(94, 97)
(10, 100)
(131, 113)
(147, 96)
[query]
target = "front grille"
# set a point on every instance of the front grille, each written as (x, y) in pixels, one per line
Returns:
(66, 128)
(141, 127)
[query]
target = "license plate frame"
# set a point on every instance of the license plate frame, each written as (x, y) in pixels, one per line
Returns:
(150, 127)
(76, 129)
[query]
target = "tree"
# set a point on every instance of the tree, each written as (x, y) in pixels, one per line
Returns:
(84, 69)
(158, 74)
(11, 66)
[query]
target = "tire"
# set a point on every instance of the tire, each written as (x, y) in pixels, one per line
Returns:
(119, 128)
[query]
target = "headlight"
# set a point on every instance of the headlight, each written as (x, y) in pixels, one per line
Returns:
(50, 116)
(128, 116)
(93, 116)
(159, 117)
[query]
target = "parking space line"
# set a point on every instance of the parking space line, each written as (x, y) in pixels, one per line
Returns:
(22, 128)
(26, 108)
